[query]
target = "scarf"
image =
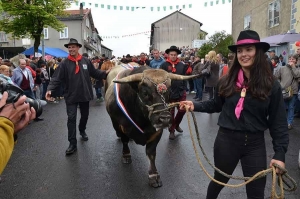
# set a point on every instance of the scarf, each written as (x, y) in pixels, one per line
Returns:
(239, 83)
(173, 64)
(78, 58)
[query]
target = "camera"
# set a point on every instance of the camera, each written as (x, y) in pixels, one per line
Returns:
(14, 93)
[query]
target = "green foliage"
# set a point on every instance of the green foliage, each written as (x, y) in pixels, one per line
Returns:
(201, 35)
(218, 42)
(29, 19)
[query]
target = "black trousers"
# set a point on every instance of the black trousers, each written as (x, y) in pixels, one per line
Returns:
(233, 146)
(72, 115)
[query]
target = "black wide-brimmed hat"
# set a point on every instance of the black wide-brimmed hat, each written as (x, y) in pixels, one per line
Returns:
(249, 37)
(173, 48)
(73, 41)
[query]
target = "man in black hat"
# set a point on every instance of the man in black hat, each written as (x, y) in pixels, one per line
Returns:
(178, 87)
(75, 72)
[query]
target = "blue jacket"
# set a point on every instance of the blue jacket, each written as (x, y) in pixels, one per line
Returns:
(17, 77)
(156, 63)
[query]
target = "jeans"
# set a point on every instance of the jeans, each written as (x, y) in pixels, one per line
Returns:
(233, 146)
(211, 92)
(37, 92)
(29, 93)
(290, 105)
(176, 120)
(98, 93)
(198, 87)
(45, 85)
(72, 115)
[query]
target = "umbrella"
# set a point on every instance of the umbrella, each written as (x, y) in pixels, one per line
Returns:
(283, 38)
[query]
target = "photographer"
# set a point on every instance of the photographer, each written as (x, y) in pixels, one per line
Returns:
(13, 118)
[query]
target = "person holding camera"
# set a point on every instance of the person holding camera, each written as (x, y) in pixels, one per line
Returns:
(13, 118)
(74, 72)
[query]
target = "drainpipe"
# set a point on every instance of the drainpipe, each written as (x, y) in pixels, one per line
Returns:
(81, 14)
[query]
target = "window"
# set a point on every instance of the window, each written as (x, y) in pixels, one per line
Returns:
(64, 34)
(84, 34)
(3, 37)
(46, 36)
(247, 20)
(274, 9)
(87, 22)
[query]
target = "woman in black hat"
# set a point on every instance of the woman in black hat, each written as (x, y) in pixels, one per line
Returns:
(250, 101)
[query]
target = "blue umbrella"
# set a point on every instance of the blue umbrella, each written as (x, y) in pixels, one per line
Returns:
(282, 38)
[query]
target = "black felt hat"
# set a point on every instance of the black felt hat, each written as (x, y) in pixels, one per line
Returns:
(173, 48)
(73, 41)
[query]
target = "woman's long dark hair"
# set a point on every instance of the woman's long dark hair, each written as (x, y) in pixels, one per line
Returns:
(260, 82)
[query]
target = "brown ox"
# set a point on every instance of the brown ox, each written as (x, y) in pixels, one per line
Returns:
(144, 93)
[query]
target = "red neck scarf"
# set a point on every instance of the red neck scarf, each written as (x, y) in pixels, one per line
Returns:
(173, 64)
(78, 58)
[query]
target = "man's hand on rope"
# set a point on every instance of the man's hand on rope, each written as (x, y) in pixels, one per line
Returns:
(280, 163)
(189, 105)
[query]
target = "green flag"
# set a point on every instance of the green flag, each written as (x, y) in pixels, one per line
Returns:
(177, 6)
(211, 3)
(151, 8)
(229, 1)
(132, 8)
(76, 3)
(102, 5)
(165, 8)
(217, 2)
(205, 4)
(115, 7)
(171, 7)
(183, 6)
(96, 5)
(223, 1)
(158, 8)
(127, 7)
(83, 3)
(121, 7)
(108, 7)
(190, 5)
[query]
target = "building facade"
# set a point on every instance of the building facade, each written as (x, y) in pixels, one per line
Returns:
(175, 29)
(79, 24)
(267, 17)
(295, 20)
(106, 51)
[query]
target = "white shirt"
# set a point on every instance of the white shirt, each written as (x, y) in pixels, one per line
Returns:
(25, 73)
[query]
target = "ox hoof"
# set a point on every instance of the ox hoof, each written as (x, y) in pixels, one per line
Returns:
(126, 159)
(154, 181)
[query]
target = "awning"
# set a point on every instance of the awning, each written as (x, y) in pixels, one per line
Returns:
(282, 38)
(55, 52)
(14, 50)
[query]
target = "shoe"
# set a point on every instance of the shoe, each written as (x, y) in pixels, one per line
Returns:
(72, 148)
(290, 127)
(195, 97)
(172, 136)
(178, 129)
(84, 136)
(101, 99)
(193, 92)
(38, 119)
(198, 99)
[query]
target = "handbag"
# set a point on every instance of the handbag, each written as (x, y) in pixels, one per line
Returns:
(287, 93)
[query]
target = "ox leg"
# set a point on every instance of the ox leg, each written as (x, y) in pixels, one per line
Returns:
(126, 157)
(154, 178)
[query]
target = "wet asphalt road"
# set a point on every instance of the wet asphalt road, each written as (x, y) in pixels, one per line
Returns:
(39, 169)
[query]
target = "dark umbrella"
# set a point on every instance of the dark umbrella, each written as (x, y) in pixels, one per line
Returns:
(282, 38)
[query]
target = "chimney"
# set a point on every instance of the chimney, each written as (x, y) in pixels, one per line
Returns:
(81, 9)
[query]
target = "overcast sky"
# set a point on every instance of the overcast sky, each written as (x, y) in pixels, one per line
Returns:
(121, 22)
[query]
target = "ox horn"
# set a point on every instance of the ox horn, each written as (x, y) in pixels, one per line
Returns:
(181, 77)
(131, 78)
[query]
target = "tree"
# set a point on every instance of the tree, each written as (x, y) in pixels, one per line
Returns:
(28, 18)
(218, 42)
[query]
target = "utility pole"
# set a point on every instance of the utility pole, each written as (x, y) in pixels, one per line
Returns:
(43, 47)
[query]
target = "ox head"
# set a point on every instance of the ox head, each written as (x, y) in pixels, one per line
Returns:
(152, 88)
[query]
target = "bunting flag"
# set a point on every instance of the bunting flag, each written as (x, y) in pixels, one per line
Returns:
(151, 8)
(122, 36)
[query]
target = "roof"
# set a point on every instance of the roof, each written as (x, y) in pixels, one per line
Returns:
(75, 14)
(180, 13)
(105, 47)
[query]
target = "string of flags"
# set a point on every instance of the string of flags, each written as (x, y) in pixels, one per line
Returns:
(129, 35)
(152, 8)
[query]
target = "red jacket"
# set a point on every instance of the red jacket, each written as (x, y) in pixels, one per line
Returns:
(32, 72)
